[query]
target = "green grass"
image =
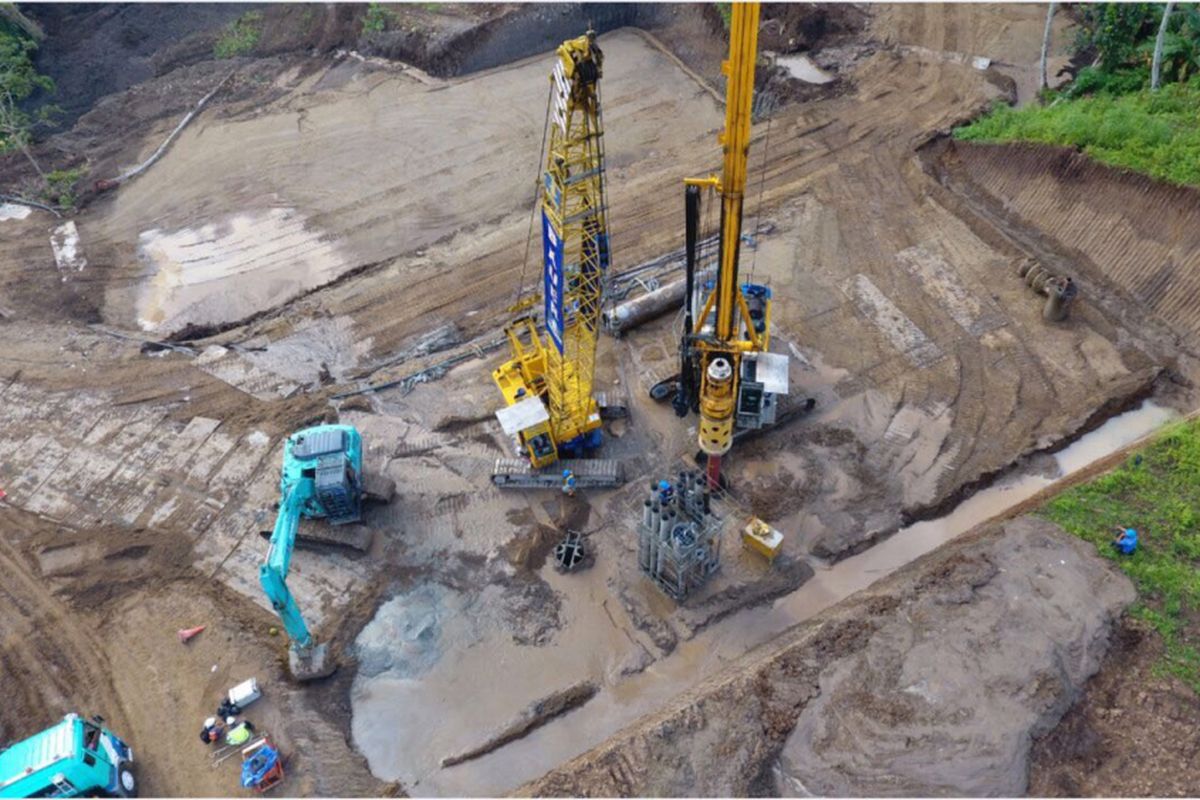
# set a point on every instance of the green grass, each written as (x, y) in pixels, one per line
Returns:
(1155, 133)
(239, 36)
(1158, 493)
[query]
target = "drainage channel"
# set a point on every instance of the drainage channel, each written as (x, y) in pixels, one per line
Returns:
(625, 701)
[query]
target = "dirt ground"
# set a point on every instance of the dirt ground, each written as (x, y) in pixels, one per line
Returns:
(1128, 735)
(338, 220)
(868, 700)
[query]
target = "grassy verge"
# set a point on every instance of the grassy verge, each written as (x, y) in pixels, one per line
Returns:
(1156, 491)
(1155, 133)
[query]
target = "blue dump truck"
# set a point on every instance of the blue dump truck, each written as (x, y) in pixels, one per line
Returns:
(74, 758)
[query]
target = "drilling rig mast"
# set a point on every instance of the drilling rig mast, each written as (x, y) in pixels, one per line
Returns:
(726, 371)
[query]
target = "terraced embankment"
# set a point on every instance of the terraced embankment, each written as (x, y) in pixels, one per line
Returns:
(1142, 234)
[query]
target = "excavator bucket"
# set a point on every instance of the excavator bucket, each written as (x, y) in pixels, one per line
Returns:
(311, 663)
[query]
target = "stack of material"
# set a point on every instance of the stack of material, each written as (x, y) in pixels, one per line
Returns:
(679, 539)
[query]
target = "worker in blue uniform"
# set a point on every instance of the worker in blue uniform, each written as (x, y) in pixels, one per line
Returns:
(1126, 540)
(568, 485)
(666, 492)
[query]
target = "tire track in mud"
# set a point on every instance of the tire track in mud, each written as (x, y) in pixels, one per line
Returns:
(48, 657)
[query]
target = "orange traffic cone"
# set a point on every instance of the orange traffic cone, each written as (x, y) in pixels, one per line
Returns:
(187, 633)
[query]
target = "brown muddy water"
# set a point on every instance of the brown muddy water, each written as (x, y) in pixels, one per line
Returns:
(452, 689)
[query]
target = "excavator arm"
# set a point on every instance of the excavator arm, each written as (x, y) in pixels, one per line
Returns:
(307, 659)
(274, 570)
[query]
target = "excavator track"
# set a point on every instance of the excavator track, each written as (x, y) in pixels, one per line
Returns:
(590, 473)
(320, 535)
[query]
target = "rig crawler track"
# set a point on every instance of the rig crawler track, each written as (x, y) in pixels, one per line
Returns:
(592, 473)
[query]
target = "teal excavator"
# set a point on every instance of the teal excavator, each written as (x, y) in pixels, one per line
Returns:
(322, 478)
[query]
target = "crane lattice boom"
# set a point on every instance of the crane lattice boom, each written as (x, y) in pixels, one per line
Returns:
(575, 255)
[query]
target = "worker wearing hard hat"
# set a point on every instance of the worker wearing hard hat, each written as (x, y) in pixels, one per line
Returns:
(239, 734)
(212, 730)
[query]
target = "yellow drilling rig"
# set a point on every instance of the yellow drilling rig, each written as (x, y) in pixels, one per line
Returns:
(727, 374)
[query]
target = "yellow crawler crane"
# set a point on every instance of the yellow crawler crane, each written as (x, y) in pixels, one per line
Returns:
(727, 373)
(548, 383)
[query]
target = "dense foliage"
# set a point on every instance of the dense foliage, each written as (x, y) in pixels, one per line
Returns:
(18, 81)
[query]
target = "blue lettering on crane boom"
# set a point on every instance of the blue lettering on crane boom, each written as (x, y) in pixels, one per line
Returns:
(552, 278)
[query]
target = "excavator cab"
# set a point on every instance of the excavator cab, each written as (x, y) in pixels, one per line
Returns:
(331, 457)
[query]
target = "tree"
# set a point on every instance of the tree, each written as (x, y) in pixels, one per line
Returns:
(1156, 68)
(9, 13)
(19, 80)
(16, 130)
(1181, 44)
(1044, 82)
(1115, 30)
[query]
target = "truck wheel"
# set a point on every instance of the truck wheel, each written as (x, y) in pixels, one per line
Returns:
(126, 783)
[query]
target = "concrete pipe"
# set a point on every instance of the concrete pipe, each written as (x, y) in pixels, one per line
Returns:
(1060, 294)
(1039, 283)
(667, 297)
(639, 310)
(1032, 274)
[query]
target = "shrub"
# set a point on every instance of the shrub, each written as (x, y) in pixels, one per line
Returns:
(377, 19)
(60, 187)
(239, 36)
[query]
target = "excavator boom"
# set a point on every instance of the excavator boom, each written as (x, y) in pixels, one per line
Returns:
(274, 570)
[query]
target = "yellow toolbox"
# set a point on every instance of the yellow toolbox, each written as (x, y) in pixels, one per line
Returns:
(758, 535)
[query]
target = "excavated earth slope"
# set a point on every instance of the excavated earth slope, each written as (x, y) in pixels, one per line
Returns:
(932, 682)
(1140, 233)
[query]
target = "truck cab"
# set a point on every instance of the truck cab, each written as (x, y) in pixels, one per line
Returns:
(74, 758)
